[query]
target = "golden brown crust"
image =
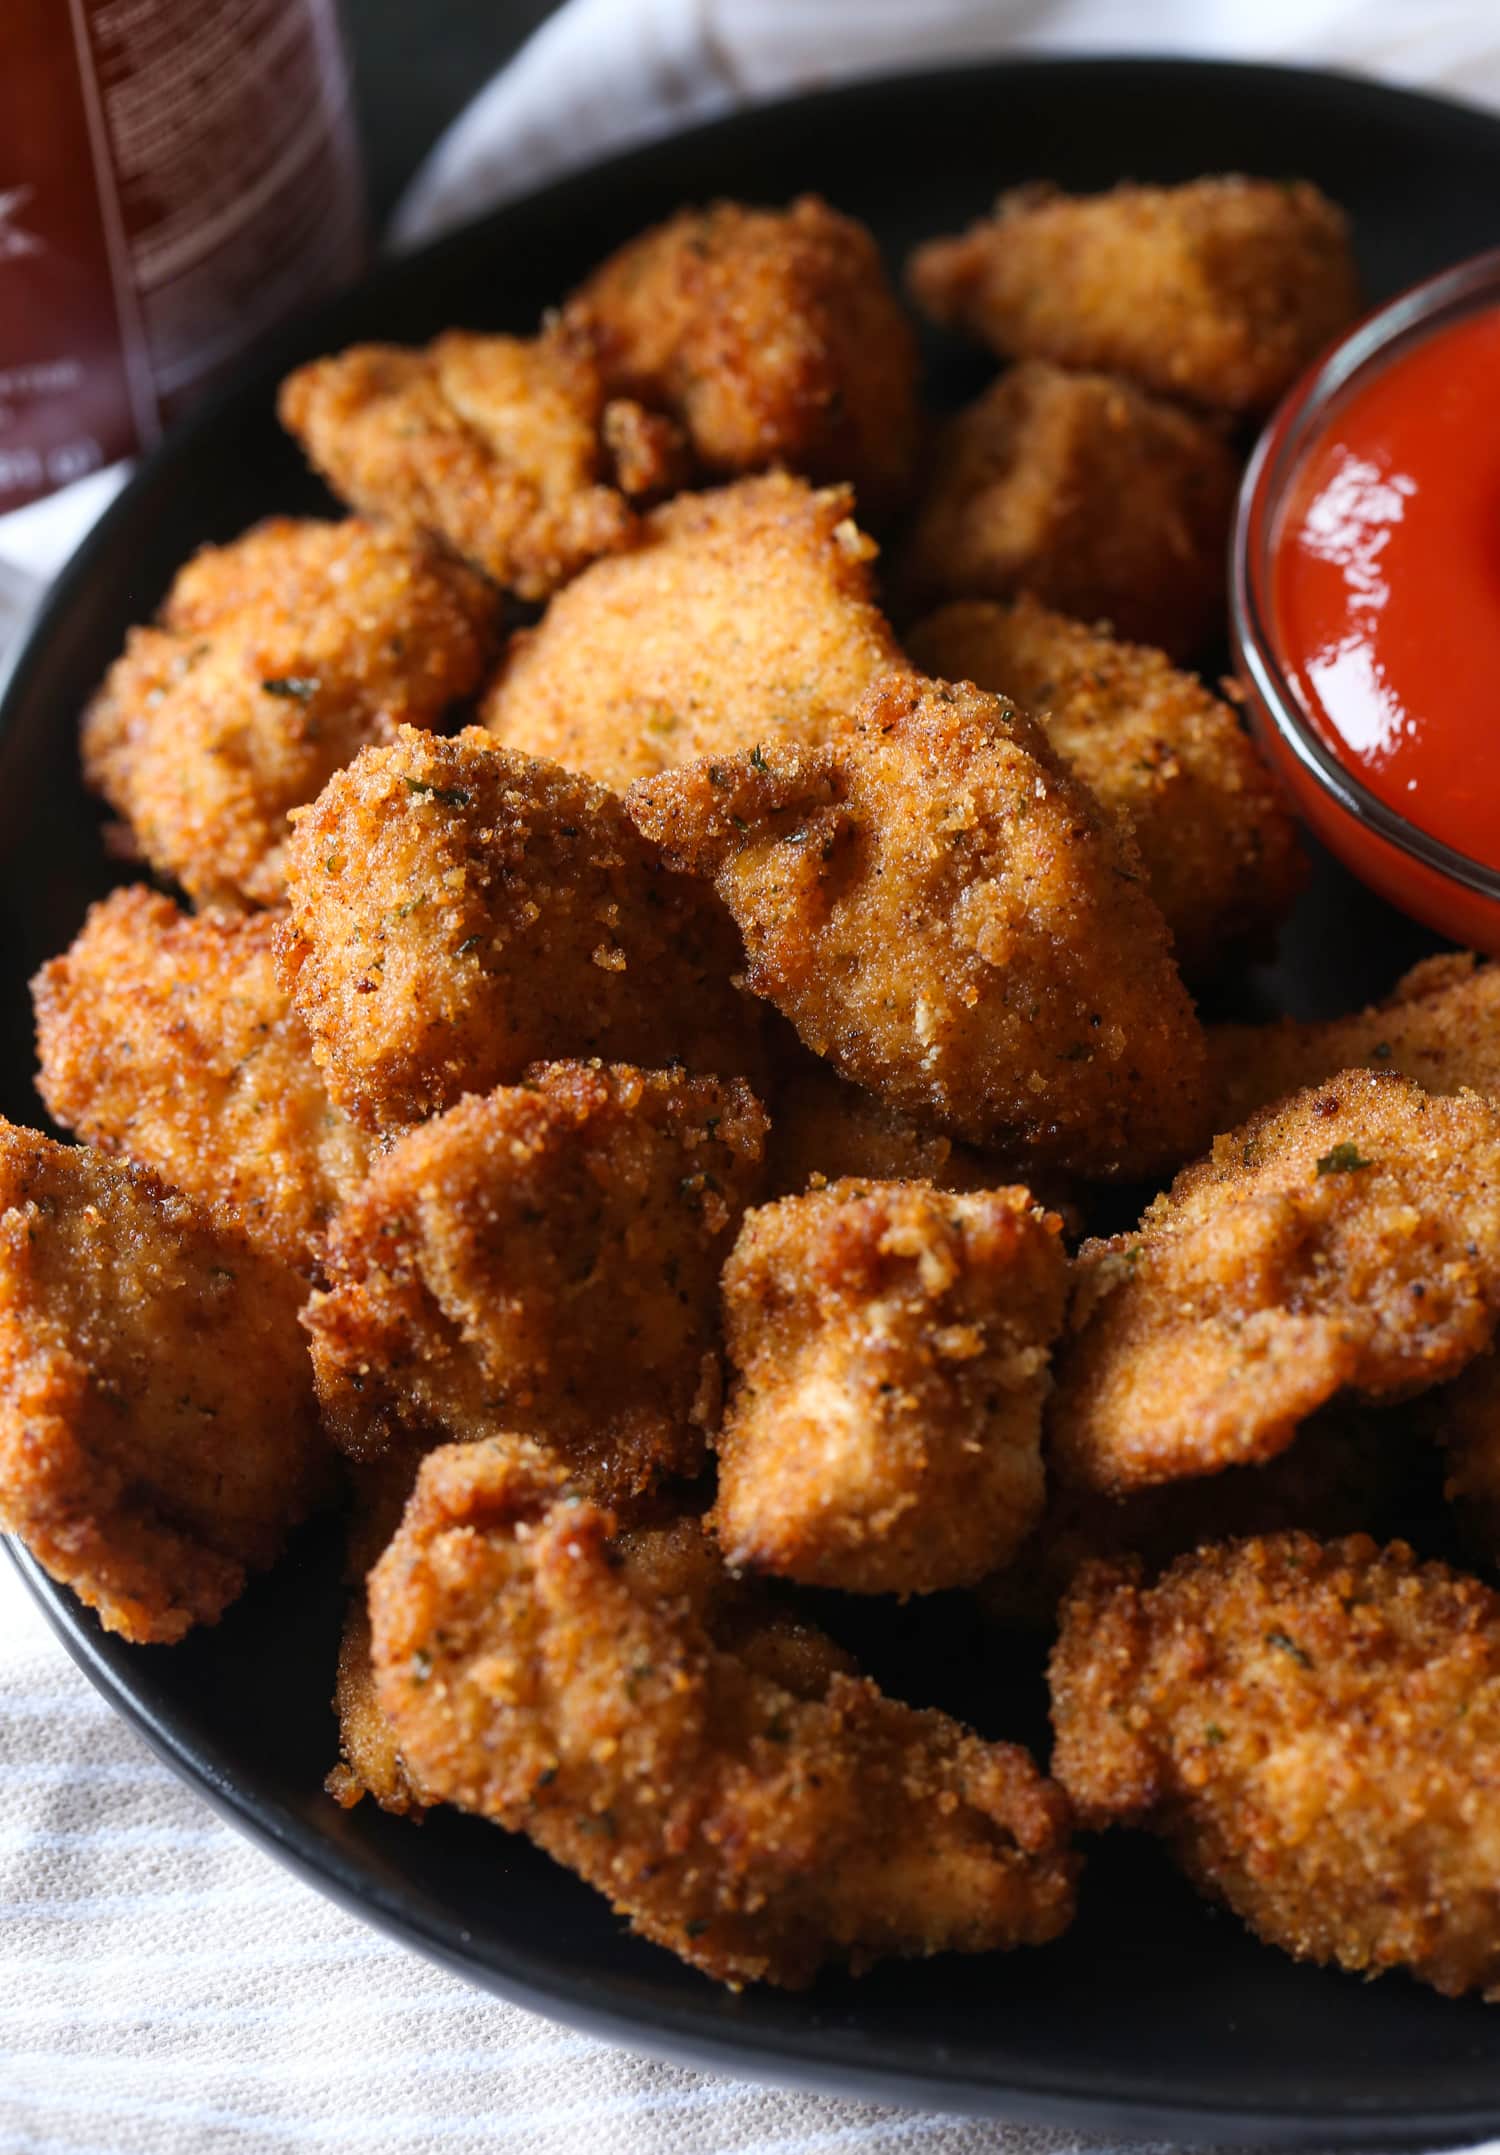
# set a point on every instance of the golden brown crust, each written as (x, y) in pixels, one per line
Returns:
(1349, 1239)
(1440, 1025)
(1217, 840)
(743, 615)
(772, 335)
(954, 923)
(275, 661)
(546, 1258)
(1220, 291)
(1104, 502)
(753, 1831)
(1315, 1730)
(171, 1038)
(502, 447)
(459, 911)
(890, 1345)
(157, 1433)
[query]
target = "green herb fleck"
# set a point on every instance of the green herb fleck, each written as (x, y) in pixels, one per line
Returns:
(299, 687)
(757, 760)
(1381, 1052)
(1345, 1159)
(450, 796)
(470, 942)
(1289, 1646)
(1213, 1733)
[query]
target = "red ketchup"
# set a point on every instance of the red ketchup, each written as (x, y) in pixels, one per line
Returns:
(1385, 586)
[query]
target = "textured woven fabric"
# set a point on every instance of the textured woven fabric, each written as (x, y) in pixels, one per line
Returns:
(166, 1989)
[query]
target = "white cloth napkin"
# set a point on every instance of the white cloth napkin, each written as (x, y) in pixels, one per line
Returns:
(165, 1989)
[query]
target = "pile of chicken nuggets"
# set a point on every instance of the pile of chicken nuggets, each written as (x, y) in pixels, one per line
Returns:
(694, 909)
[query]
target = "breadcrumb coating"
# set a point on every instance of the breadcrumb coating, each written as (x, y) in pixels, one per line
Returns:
(743, 615)
(545, 1257)
(504, 448)
(890, 1344)
(170, 1037)
(1347, 1239)
(954, 923)
(773, 336)
(157, 1433)
(1102, 501)
(1315, 1730)
(1220, 291)
(1440, 1025)
(275, 660)
(1218, 842)
(756, 1832)
(459, 911)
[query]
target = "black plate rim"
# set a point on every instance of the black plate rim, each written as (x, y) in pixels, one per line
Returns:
(677, 2034)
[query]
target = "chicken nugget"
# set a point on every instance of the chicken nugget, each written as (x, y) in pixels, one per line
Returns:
(158, 1438)
(1220, 291)
(1348, 1239)
(1102, 501)
(1440, 1025)
(276, 660)
(953, 922)
(772, 335)
(753, 1831)
(504, 448)
(743, 615)
(459, 911)
(890, 1344)
(1350, 1470)
(1219, 845)
(1314, 1729)
(171, 1037)
(546, 1258)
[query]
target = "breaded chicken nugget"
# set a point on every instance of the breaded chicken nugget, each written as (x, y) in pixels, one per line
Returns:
(756, 1832)
(276, 660)
(503, 447)
(1350, 1470)
(1219, 845)
(824, 1129)
(459, 911)
(1440, 1024)
(954, 923)
(773, 336)
(890, 1344)
(171, 1037)
(1220, 291)
(1315, 1729)
(1348, 1239)
(743, 615)
(1101, 500)
(545, 1258)
(157, 1432)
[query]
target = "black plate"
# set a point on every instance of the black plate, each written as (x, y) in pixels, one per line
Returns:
(1153, 2015)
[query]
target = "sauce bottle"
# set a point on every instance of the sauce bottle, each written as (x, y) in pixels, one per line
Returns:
(175, 175)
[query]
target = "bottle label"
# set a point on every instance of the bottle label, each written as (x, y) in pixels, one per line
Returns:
(175, 175)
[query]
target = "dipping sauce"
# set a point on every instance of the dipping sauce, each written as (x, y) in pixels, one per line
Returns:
(1384, 582)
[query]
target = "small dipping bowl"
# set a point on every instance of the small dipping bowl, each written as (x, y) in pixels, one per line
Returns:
(1365, 596)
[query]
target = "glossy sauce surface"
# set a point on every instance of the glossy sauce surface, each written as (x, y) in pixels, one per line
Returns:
(1386, 584)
